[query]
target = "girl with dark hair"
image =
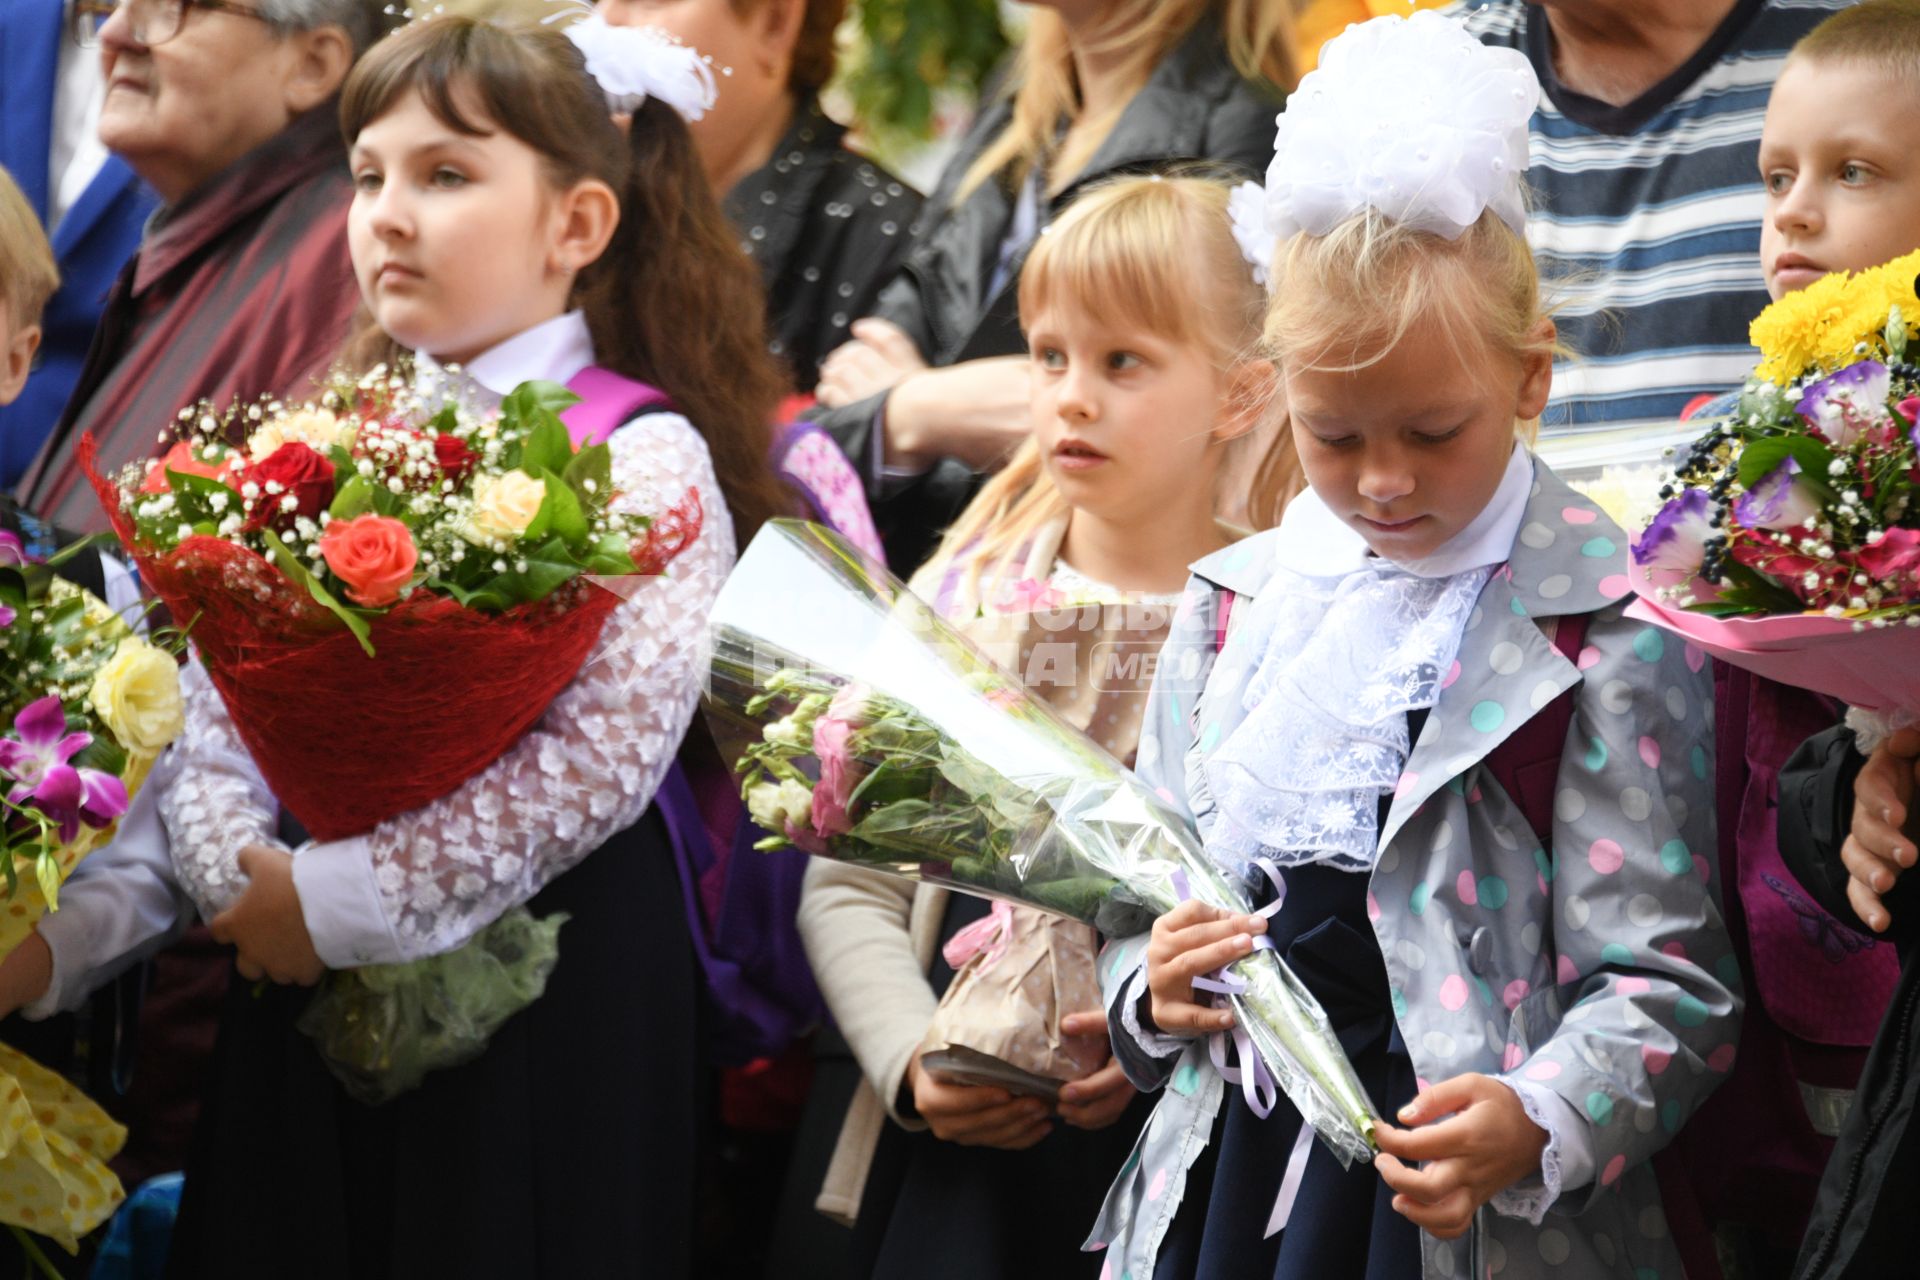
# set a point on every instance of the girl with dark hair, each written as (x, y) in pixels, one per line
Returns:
(503, 229)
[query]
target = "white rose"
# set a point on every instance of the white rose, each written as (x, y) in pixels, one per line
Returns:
(137, 695)
(316, 428)
(504, 505)
(774, 805)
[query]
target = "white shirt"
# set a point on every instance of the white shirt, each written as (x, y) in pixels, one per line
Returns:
(75, 158)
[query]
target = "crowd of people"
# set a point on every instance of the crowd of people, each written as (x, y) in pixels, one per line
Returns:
(1580, 962)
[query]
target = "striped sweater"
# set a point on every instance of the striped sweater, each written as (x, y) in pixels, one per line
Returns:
(1646, 224)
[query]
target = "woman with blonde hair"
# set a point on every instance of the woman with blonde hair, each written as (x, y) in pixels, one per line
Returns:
(933, 389)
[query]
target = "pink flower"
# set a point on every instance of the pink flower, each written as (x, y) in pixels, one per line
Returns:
(830, 738)
(1909, 408)
(832, 733)
(1030, 595)
(1896, 554)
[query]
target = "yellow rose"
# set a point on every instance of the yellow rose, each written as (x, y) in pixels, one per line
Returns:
(137, 695)
(316, 428)
(504, 505)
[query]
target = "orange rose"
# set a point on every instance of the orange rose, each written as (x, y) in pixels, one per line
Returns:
(180, 458)
(373, 555)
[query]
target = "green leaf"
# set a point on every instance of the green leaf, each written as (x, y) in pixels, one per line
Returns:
(548, 568)
(562, 505)
(593, 463)
(47, 870)
(1759, 457)
(355, 498)
(547, 447)
(528, 401)
(300, 576)
(195, 499)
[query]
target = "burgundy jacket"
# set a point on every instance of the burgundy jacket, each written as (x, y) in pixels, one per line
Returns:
(244, 288)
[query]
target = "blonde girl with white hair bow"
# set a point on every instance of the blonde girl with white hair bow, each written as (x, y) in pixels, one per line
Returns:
(1473, 795)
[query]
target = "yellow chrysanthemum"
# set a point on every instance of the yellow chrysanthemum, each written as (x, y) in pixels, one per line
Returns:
(1824, 325)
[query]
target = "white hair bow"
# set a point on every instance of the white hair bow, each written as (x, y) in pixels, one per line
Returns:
(1411, 117)
(633, 64)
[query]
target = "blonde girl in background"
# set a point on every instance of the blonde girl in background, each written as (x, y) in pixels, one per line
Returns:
(1483, 790)
(1141, 318)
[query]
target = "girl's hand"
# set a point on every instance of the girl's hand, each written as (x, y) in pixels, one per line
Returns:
(977, 1115)
(1484, 1144)
(1097, 1100)
(1188, 942)
(267, 925)
(25, 974)
(1886, 826)
(879, 355)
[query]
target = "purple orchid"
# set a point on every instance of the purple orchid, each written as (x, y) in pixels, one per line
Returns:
(12, 550)
(37, 760)
(1847, 403)
(1781, 500)
(1676, 541)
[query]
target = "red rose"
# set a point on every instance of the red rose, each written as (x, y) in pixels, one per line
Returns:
(455, 458)
(373, 555)
(295, 469)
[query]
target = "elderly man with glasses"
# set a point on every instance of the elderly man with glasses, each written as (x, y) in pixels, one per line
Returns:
(242, 285)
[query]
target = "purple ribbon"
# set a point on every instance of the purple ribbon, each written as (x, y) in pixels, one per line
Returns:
(1256, 1083)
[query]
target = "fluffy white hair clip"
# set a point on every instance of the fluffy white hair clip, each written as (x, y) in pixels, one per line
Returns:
(1410, 117)
(633, 64)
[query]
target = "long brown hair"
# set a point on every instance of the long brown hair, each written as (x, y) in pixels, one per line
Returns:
(672, 302)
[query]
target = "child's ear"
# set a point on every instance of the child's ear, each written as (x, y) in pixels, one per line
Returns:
(1252, 387)
(1536, 371)
(587, 214)
(19, 362)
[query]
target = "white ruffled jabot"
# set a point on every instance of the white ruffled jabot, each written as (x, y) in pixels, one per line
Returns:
(1331, 655)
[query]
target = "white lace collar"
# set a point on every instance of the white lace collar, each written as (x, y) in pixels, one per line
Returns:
(553, 350)
(1315, 541)
(1328, 659)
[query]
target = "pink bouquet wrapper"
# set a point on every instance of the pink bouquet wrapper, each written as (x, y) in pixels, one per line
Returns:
(1877, 668)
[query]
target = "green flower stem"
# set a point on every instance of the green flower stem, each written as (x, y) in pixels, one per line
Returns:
(35, 1255)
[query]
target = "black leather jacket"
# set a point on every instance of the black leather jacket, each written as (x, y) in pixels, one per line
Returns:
(1863, 1215)
(1195, 107)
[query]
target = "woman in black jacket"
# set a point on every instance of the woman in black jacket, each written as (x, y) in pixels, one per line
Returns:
(1850, 830)
(933, 389)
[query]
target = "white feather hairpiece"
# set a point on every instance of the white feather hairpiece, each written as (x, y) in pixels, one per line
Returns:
(633, 64)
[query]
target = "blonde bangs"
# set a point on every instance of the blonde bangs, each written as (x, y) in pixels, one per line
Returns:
(1343, 300)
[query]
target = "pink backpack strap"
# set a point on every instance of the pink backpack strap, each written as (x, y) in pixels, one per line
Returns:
(608, 400)
(1527, 764)
(1226, 615)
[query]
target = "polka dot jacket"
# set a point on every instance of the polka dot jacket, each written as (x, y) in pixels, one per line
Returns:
(1602, 971)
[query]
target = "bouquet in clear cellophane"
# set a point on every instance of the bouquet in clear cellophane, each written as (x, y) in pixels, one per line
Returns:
(864, 728)
(86, 706)
(1790, 540)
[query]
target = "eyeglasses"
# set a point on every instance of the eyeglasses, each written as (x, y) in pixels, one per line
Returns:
(150, 22)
